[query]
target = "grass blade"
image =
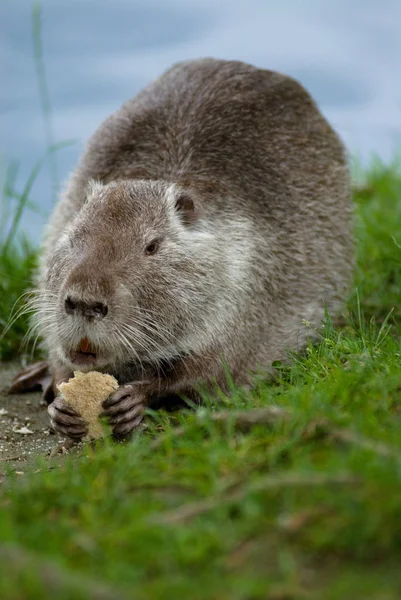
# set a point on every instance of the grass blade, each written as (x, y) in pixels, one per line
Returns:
(44, 93)
(23, 199)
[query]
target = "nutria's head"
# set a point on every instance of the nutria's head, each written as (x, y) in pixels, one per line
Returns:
(133, 277)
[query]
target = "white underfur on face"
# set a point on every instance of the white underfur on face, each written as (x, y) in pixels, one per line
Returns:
(235, 255)
(94, 188)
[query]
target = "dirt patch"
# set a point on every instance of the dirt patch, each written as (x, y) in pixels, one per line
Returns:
(25, 431)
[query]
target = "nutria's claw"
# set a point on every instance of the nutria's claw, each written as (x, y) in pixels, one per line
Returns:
(65, 420)
(124, 409)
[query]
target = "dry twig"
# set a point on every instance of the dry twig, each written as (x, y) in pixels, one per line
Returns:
(270, 482)
(243, 420)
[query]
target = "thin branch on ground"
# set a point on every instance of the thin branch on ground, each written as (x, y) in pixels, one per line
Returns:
(348, 436)
(12, 458)
(263, 484)
(243, 421)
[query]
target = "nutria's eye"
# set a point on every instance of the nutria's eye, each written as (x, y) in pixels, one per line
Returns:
(152, 248)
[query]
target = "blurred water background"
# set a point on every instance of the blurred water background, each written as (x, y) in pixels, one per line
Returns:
(98, 53)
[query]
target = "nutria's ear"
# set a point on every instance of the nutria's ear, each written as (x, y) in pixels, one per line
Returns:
(187, 208)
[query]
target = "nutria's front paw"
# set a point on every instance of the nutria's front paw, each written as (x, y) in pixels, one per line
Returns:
(124, 409)
(66, 420)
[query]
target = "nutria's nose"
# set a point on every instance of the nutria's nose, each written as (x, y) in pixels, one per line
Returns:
(89, 310)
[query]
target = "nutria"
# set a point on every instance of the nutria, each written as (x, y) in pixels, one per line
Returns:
(204, 232)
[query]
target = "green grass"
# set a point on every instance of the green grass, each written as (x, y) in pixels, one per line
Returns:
(304, 505)
(18, 259)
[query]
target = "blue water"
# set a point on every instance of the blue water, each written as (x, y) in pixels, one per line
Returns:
(98, 53)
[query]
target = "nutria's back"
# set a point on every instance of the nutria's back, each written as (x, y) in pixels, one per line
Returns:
(217, 122)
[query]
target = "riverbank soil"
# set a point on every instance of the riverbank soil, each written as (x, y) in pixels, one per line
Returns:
(25, 431)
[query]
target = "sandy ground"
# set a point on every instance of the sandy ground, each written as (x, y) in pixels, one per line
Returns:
(24, 428)
(25, 432)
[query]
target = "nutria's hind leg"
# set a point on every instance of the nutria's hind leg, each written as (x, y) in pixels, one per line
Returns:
(34, 378)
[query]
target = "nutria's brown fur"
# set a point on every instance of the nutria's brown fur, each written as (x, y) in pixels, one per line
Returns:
(217, 222)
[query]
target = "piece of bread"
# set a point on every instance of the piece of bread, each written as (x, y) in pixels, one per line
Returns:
(85, 393)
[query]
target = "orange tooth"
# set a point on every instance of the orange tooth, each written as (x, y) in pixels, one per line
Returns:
(85, 345)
